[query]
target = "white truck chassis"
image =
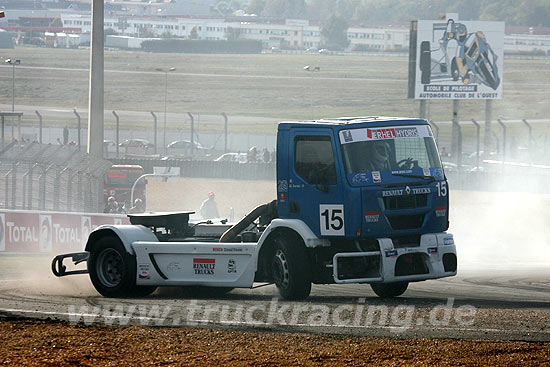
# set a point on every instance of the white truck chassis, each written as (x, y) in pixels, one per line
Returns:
(115, 252)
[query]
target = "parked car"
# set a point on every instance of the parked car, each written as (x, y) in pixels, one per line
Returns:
(182, 148)
(324, 51)
(136, 143)
(232, 157)
(184, 144)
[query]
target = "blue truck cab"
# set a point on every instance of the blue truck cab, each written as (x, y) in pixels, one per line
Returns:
(373, 191)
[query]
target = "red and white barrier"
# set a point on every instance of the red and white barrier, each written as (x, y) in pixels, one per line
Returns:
(49, 232)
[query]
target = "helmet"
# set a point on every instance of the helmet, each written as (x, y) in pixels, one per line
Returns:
(211, 194)
(138, 202)
(461, 31)
(111, 199)
(380, 151)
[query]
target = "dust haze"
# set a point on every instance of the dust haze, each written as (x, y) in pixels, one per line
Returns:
(508, 229)
(505, 230)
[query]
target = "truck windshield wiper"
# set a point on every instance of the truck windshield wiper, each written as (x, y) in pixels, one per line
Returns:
(429, 178)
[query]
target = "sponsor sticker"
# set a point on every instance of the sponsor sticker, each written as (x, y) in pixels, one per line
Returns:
(282, 196)
(440, 211)
(391, 253)
(143, 271)
(282, 186)
(231, 266)
(438, 173)
(426, 171)
(392, 133)
(360, 178)
(204, 266)
(448, 241)
(432, 250)
(376, 177)
(372, 217)
(227, 249)
(174, 267)
(346, 134)
(381, 133)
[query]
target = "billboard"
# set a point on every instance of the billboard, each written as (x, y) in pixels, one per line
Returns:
(457, 60)
(46, 232)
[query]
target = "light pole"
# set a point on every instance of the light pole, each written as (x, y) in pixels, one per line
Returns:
(311, 69)
(13, 63)
(165, 98)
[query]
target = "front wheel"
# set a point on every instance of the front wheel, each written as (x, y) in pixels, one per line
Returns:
(291, 268)
(113, 270)
(389, 290)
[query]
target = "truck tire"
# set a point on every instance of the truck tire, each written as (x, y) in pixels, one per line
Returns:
(291, 268)
(113, 270)
(389, 290)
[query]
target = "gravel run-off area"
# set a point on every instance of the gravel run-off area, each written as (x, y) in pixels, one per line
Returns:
(47, 343)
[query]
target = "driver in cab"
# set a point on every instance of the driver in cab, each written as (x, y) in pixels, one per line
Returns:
(379, 156)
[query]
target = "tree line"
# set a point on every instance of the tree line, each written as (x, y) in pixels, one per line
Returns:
(513, 12)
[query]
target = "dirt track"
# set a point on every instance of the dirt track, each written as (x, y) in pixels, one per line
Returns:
(52, 343)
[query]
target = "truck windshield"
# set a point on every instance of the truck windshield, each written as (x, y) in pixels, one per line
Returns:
(383, 149)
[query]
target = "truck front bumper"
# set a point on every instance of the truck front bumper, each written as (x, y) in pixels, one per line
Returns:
(434, 258)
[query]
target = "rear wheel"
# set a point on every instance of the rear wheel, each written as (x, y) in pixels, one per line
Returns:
(291, 268)
(113, 270)
(389, 290)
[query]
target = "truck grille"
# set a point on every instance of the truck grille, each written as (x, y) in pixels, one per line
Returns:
(406, 202)
(406, 221)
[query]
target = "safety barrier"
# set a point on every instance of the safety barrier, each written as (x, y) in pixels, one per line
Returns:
(49, 232)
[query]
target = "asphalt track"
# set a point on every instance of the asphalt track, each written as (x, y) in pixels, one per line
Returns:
(490, 303)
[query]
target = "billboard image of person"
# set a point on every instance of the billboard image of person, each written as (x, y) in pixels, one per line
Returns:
(459, 60)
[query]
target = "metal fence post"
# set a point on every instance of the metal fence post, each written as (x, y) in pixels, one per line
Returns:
(117, 131)
(57, 181)
(78, 127)
(458, 129)
(30, 205)
(477, 143)
(155, 130)
(70, 185)
(225, 131)
(6, 189)
(192, 134)
(436, 131)
(530, 142)
(39, 126)
(503, 139)
(80, 193)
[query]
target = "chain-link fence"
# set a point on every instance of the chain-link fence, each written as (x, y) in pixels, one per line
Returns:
(50, 177)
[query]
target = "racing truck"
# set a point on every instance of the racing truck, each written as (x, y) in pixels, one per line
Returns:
(359, 200)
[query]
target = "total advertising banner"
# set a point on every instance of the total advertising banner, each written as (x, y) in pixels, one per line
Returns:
(33, 231)
(459, 60)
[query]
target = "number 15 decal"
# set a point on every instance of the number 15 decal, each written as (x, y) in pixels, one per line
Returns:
(331, 219)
